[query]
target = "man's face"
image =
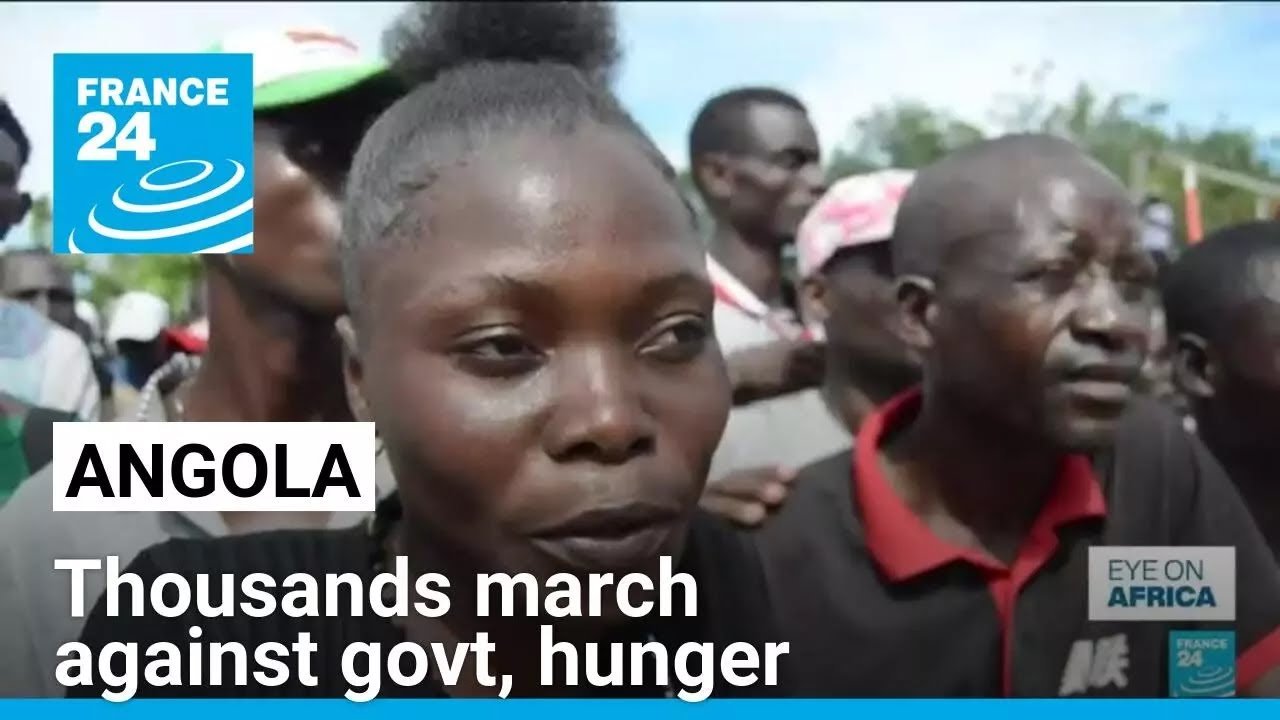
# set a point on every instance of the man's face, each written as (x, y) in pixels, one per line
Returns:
(854, 295)
(301, 158)
(1042, 318)
(13, 204)
(772, 187)
(42, 282)
(1244, 410)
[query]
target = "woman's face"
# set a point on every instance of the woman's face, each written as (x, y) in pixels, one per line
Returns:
(541, 360)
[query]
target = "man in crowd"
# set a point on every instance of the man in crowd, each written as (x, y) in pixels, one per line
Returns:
(957, 558)
(848, 294)
(755, 162)
(45, 364)
(1157, 229)
(136, 333)
(15, 150)
(1222, 302)
(846, 298)
(45, 376)
(43, 281)
(37, 277)
(42, 365)
(272, 355)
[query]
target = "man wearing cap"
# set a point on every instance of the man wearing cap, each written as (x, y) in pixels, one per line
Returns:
(846, 298)
(272, 353)
(136, 333)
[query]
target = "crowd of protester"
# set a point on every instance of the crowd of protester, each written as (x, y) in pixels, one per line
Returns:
(893, 453)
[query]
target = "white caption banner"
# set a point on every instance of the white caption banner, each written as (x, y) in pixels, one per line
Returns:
(214, 466)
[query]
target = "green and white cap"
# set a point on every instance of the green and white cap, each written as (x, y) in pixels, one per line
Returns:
(300, 64)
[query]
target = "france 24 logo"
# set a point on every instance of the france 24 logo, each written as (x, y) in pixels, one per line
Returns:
(153, 153)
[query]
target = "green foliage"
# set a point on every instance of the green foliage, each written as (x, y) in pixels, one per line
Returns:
(41, 218)
(1113, 130)
(172, 277)
(905, 135)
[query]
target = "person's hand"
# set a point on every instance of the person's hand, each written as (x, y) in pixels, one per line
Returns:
(777, 368)
(746, 497)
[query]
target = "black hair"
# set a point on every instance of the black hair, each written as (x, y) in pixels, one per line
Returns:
(925, 229)
(477, 70)
(1212, 279)
(10, 126)
(721, 124)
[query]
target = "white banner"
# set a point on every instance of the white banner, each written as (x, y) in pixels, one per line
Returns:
(213, 466)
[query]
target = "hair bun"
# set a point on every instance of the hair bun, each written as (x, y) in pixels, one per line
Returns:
(430, 38)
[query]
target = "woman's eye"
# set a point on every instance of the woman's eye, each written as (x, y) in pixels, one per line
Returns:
(677, 341)
(502, 346)
(498, 355)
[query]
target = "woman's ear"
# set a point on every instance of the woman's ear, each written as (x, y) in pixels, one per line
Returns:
(917, 311)
(1194, 370)
(352, 368)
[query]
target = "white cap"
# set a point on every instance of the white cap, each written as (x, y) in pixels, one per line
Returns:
(139, 316)
(857, 210)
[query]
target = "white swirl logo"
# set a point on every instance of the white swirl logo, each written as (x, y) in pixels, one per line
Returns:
(1215, 682)
(155, 216)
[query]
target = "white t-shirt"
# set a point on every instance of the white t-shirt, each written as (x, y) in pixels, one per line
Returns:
(791, 430)
(46, 364)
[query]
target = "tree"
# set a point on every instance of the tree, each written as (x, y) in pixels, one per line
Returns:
(906, 135)
(1113, 129)
(41, 218)
(169, 276)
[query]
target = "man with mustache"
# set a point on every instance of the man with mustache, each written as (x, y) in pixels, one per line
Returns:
(956, 561)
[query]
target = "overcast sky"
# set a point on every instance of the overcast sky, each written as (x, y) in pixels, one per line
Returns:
(1211, 62)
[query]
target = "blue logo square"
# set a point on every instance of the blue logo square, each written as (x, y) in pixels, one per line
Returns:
(1202, 663)
(153, 153)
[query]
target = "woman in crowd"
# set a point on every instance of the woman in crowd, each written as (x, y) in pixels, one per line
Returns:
(531, 329)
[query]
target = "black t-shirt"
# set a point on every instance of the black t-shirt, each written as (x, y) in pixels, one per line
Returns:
(732, 607)
(875, 605)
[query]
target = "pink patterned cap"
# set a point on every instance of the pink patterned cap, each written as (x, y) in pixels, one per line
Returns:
(857, 210)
